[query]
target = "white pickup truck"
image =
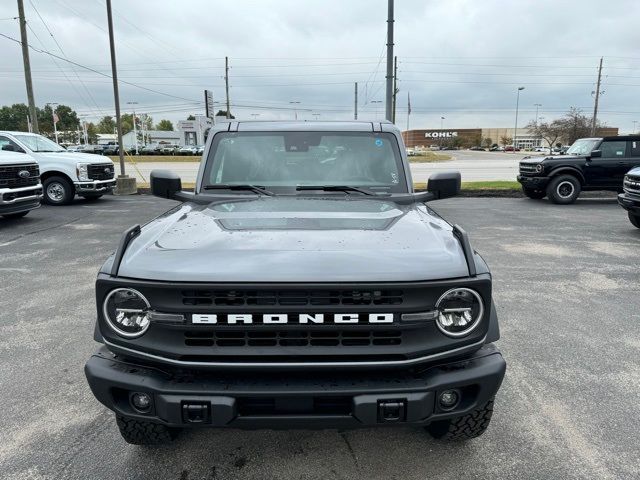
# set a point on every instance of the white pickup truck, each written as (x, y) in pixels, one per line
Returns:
(20, 187)
(63, 174)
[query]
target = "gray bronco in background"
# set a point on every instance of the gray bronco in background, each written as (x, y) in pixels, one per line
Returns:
(303, 284)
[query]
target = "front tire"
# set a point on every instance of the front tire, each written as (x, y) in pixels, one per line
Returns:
(563, 189)
(12, 216)
(57, 191)
(634, 219)
(138, 432)
(464, 427)
(534, 194)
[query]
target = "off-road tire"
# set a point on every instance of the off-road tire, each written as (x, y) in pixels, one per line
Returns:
(137, 432)
(534, 194)
(12, 216)
(564, 189)
(64, 189)
(465, 427)
(634, 219)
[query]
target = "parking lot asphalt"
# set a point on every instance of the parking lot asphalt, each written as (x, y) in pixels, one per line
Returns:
(567, 289)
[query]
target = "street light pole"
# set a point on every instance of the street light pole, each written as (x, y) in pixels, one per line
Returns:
(515, 130)
(442, 119)
(135, 129)
(295, 109)
(634, 126)
(53, 119)
(537, 105)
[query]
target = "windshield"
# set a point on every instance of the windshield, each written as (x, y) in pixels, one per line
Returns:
(582, 147)
(38, 143)
(292, 159)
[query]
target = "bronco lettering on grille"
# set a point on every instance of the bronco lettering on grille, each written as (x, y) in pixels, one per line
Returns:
(285, 318)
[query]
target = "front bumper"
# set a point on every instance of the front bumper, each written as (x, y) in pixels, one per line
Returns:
(536, 183)
(17, 200)
(629, 203)
(95, 186)
(295, 400)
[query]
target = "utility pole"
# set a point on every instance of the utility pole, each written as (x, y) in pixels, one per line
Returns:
(595, 107)
(515, 129)
(355, 103)
(408, 111)
(135, 129)
(27, 68)
(389, 93)
(395, 87)
(124, 185)
(226, 84)
(537, 105)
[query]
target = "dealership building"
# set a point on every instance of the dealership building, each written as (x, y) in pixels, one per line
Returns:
(468, 137)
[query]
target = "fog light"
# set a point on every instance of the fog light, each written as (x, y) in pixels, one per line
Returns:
(448, 399)
(141, 401)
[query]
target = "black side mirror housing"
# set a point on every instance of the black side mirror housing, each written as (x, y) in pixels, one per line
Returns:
(165, 184)
(596, 153)
(444, 184)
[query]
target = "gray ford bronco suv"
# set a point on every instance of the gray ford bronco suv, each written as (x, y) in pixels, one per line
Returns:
(302, 284)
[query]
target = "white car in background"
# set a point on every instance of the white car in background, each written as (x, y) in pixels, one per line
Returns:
(63, 174)
(20, 188)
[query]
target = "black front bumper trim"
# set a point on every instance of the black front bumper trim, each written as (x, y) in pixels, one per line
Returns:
(629, 204)
(295, 400)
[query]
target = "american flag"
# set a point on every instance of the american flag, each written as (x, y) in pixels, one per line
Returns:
(55, 118)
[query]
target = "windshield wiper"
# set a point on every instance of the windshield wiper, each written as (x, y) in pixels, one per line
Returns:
(335, 188)
(253, 188)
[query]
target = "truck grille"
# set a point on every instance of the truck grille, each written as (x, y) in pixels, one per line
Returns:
(101, 171)
(632, 184)
(292, 298)
(528, 168)
(291, 338)
(9, 176)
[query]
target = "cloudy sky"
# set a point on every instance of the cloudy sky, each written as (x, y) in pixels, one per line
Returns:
(461, 59)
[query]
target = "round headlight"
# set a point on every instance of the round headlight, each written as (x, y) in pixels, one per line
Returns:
(459, 311)
(127, 312)
(539, 168)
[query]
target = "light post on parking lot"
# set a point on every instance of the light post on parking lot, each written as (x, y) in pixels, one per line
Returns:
(537, 105)
(295, 109)
(442, 119)
(515, 130)
(634, 126)
(135, 130)
(54, 119)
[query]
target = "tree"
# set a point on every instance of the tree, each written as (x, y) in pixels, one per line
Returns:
(106, 124)
(92, 132)
(549, 132)
(164, 125)
(191, 117)
(223, 113)
(487, 142)
(14, 117)
(575, 125)
(505, 140)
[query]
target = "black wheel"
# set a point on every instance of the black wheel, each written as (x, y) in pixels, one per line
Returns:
(92, 197)
(11, 216)
(465, 427)
(563, 189)
(634, 219)
(534, 194)
(57, 191)
(137, 432)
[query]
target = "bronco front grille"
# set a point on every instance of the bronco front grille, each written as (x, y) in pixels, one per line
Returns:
(101, 171)
(291, 338)
(292, 297)
(9, 177)
(631, 184)
(528, 168)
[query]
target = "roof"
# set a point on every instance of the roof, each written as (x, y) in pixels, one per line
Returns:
(622, 137)
(162, 133)
(311, 125)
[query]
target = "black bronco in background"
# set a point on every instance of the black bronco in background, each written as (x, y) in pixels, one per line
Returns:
(303, 284)
(589, 164)
(630, 198)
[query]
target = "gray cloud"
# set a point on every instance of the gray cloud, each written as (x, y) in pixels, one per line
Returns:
(460, 59)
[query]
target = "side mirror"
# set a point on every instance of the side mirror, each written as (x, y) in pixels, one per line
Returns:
(596, 153)
(165, 184)
(444, 184)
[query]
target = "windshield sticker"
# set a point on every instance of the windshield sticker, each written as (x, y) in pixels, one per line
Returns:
(378, 142)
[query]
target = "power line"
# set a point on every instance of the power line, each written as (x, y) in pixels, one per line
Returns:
(95, 71)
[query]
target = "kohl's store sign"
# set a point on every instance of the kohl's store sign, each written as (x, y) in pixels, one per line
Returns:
(441, 134)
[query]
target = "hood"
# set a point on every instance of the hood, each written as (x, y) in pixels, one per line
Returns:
(14, 158)
(76, 157)
(542, 158)
(634, 171)
(296, 239)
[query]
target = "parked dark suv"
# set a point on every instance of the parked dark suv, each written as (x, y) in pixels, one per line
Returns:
(589, 164)
(630, 199)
